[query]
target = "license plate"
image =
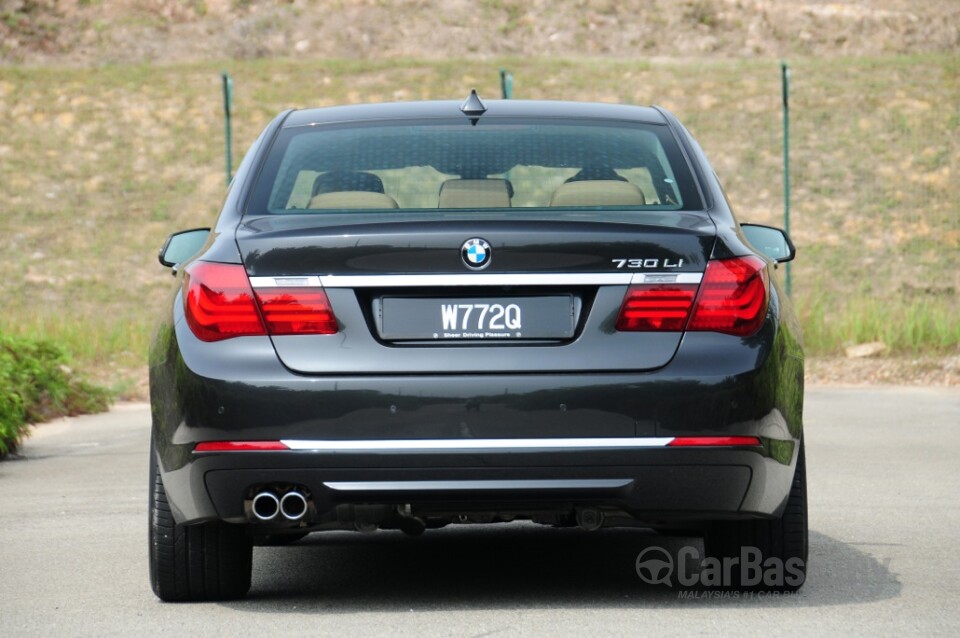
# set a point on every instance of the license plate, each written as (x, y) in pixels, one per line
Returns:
(458, 319)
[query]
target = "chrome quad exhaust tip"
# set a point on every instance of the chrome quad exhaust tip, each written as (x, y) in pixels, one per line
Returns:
(266, 506)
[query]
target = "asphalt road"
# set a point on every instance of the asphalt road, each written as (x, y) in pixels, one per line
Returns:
(884, 483)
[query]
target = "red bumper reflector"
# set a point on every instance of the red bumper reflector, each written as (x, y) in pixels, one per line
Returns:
(714, 441)
(239, 446)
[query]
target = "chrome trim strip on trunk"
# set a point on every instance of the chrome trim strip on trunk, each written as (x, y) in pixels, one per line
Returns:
(666, 278)
(477, 279)
(285, 282)
(430, 445)
(479, 485)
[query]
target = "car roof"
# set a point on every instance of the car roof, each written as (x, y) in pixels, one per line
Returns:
(495, 109)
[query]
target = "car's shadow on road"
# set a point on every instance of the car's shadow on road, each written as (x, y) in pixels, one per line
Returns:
(521, 566)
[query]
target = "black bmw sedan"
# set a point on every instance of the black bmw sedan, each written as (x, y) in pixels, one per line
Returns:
(420, 314)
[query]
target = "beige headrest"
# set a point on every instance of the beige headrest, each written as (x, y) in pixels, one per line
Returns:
(352, 199)
(474, 193)
(598, 193)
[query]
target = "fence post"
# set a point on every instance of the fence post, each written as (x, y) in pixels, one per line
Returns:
(227, 105)
(785, 79)
(506, 84)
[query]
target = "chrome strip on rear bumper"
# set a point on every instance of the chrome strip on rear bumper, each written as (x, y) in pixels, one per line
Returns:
(472, 486)
(415, 445)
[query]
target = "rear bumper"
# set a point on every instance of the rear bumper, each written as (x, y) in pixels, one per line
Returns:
(668, 484)
(716, 386)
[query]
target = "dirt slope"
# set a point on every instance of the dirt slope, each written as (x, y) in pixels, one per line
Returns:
(112, 31)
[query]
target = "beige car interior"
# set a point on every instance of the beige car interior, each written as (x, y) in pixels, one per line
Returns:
(601, 192)
(474, 193)
(352, 199)
(357, 190)
(349, 189)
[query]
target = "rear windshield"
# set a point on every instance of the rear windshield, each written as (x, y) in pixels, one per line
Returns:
(493, 164)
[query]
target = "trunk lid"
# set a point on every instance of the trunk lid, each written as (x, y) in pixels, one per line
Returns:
(408, 300)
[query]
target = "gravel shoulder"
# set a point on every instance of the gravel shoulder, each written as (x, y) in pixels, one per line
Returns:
(925, 371)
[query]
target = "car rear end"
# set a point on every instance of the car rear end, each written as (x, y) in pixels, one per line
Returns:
(409, 317)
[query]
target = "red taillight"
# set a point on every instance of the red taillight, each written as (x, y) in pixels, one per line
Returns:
(220, 304)
(713, 441)
(240, 446)
(292, 311)
(732, 298)
(658, 307)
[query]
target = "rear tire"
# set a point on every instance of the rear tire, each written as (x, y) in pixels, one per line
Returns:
(207, 561)
(784, 539)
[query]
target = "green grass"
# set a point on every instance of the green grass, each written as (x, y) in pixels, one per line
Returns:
(100, 164)
(36, 384)
(914, 327)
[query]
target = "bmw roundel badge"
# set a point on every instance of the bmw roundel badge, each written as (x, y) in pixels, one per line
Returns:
(476, 253)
